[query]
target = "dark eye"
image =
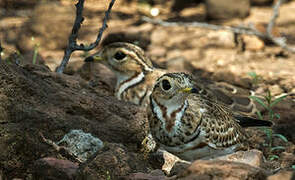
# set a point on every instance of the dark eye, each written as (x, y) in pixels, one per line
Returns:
(166, 85)
(119, 55)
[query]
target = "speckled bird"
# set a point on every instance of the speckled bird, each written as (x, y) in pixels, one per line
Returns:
(192, 126)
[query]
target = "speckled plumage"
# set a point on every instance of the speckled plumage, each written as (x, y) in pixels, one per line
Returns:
(204, 129)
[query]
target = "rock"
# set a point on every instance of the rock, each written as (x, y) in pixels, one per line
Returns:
(178, 167)
(252, 43)
(81, 144)
(33, 99)
(227, 9)
(287, 160)
(154, 175)
(48, 32)
(275, 90)
(218, 169)
(253, 157)
(53, 168)
(115, 161)
(282, 175)
(222, 38)
(98, 75)
(170, 160)
(179, 64)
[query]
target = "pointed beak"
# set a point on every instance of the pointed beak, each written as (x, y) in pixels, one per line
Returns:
(188, 90)
(94, 58)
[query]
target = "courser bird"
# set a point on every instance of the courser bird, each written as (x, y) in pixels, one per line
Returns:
(192, 126)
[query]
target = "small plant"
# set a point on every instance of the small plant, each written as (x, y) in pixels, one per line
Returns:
(108, 175)
(255, 78)
(36, 49)
(268, 102)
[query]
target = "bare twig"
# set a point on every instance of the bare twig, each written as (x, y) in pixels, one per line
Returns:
(1, 49)
(238, 30)
(274, 16)
(59, 148)
(279, 41)
(72, 45)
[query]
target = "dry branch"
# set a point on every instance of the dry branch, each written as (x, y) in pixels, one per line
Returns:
(279, 41)
(1, 49)
(72, 44)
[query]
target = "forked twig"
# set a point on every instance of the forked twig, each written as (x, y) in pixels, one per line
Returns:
(72, 44)
(279, 41)
(1, 49)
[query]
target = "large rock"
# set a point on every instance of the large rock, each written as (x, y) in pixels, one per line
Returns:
(218, 169)
(227, 9)
(34, 99)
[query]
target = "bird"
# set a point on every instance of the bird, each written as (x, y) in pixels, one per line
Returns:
(136, 76)
(133, 69)
(192, 126)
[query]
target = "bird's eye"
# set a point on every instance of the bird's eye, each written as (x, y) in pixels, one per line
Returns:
(166, 85)
(119, 55)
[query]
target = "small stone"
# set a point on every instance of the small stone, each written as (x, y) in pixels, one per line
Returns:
(222, 38)
(253, 157)
(275, 90)
(252, 43)
(81, 144)
(227, 9)
(170, 160)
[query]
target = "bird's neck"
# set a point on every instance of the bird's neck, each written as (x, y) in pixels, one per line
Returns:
(125, 82)
(170, 114)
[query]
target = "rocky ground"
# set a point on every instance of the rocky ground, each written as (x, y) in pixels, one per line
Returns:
(39, 107)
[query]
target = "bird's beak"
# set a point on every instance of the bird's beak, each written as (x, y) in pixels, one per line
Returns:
(188, 90)
(94, 58)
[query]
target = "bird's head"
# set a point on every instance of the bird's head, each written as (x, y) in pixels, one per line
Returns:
(173, 88)
(123, 58)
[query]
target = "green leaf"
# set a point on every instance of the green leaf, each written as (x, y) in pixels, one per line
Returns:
(252, 74)
(281, 137)
(260, 101)
(259, 115)
(277, 148)
(293, 167)
(277, 100)
(273, 157)
(277, 116)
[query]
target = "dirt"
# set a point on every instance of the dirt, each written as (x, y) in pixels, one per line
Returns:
(34, 99)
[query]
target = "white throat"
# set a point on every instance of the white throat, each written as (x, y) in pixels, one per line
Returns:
(124, 82)
(170, 109)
